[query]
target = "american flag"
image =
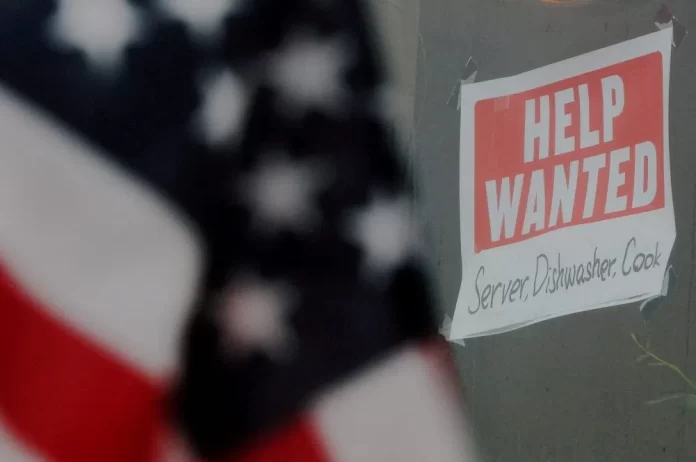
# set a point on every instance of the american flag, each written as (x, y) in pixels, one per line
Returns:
(207, 244)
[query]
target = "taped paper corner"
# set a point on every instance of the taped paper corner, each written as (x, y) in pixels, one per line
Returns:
(445, 330)
(650, 306)
(664, 18)
(467, 77)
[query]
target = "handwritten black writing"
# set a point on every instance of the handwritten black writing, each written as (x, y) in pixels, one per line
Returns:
(552, 274)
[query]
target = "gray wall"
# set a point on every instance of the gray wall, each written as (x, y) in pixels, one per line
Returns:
(568, 389)
(396, 23)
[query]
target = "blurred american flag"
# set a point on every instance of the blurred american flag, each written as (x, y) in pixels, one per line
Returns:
(125, 332)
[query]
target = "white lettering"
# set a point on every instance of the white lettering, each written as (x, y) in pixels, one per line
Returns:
(563, 193)
(612, 103)
(588, 138)
(536, 203)
(563, 144)
(645, 179)
(534, 130)
(503, 211)
(617, 178)
(591, 166)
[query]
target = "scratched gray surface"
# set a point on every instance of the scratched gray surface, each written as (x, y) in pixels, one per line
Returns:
(564, 390)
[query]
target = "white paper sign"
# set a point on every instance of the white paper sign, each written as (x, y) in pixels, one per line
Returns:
(565, 188)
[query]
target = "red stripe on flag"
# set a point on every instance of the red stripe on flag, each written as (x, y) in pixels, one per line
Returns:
(439, 354)
(64, 394)
(298, 442)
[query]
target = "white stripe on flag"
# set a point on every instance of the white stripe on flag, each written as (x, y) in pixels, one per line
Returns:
(399, 410)
(12, 450)
(105, 253)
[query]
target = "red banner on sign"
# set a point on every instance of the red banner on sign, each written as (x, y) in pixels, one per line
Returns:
(581, 150)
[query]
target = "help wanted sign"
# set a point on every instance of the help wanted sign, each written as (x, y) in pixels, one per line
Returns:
(565, 190)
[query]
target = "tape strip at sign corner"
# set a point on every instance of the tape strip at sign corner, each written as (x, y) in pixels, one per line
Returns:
(664, 18)
(651, 306)
(446, 329)
(468, 76)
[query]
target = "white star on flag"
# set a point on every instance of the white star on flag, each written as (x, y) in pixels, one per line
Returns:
(280, 192)
(253, 318)
(385, 231)
(101, 29)
(203, 18)
(390, 105)
(309, 72)
(221, 114)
